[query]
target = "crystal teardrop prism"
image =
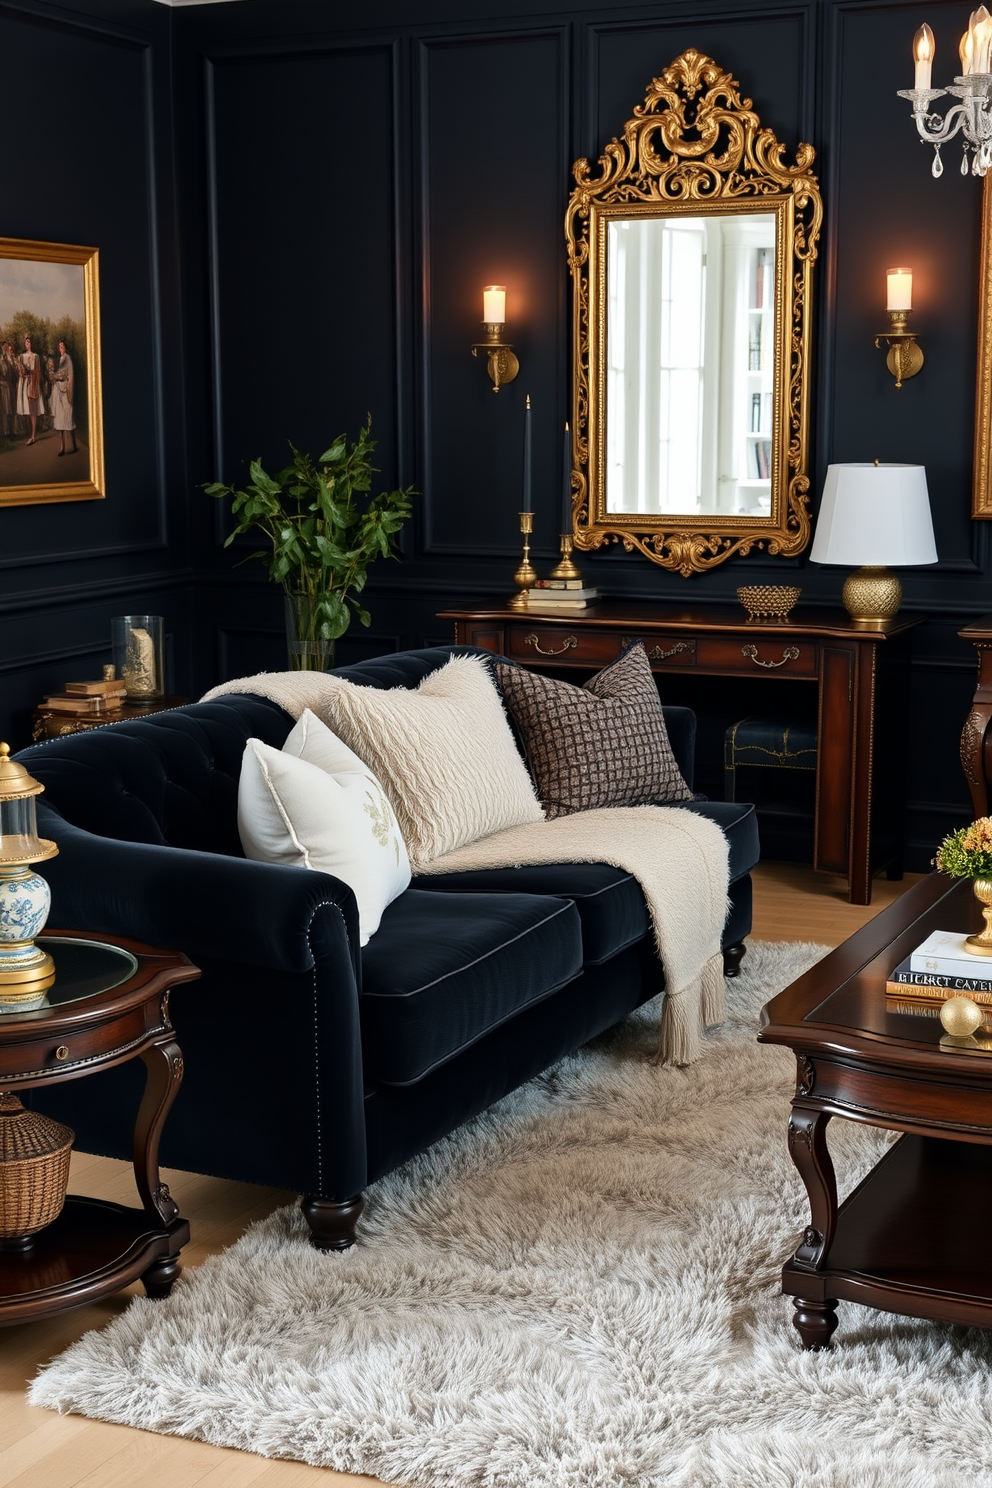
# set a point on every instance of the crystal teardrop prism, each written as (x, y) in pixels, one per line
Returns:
(964, 161)
(937, 169)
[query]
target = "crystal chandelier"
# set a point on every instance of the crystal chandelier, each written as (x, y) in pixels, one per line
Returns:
(971, 117)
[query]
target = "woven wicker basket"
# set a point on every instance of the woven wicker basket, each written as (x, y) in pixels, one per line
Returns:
(34, 1169)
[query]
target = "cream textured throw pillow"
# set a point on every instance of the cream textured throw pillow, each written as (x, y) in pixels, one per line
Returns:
(314, 804)
(444, 752)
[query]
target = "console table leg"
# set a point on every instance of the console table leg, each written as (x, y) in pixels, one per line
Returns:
(815, 1322)
(332, 1224)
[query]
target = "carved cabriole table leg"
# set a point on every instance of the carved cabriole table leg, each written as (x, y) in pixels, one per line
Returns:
(814, 1318)
(164, 1065)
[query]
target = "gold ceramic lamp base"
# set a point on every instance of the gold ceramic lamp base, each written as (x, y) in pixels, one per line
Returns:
(872, 596)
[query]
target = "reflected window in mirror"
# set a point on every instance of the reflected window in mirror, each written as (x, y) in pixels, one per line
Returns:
(689, 360)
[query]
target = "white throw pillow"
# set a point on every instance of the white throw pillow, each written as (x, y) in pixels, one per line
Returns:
(314, 804)
(444, 752)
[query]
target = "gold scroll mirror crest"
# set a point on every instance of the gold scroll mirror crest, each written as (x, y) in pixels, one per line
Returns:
(690, 403)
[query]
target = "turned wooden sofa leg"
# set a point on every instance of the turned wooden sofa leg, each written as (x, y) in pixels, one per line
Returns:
(733, 955)
(332, 1224)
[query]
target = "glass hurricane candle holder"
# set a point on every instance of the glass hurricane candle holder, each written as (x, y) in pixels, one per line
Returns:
(138, 655)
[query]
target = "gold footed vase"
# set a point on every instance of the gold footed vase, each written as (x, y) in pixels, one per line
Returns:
(981, 944)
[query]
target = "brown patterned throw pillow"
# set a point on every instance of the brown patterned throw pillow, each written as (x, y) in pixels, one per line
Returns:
(602, 744)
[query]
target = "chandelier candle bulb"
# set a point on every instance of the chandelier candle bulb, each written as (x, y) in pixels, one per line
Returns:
(923, 53)
(981, 39)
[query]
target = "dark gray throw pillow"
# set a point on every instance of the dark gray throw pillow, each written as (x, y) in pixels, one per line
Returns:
(602, 744)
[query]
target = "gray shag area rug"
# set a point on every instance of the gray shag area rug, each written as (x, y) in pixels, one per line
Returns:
(578, 1290)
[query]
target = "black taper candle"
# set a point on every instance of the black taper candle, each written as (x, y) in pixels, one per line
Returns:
(566, 495)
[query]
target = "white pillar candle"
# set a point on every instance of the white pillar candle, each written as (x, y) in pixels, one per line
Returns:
(899, 289)
(494, 304)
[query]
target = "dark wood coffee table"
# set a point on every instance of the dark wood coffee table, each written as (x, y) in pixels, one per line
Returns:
(911, 1238)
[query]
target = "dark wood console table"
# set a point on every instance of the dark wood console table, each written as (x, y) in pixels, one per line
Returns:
(860, 676)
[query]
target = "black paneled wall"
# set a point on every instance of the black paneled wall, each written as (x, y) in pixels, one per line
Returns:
(95, 80)
(342, 182)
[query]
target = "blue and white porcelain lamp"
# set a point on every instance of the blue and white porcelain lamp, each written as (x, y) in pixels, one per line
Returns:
(25, 898)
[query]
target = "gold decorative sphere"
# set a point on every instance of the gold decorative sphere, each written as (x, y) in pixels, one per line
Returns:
(960, 1016)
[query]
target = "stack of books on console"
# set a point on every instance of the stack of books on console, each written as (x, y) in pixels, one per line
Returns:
(87, 699)
(938, 969)
(564, 595)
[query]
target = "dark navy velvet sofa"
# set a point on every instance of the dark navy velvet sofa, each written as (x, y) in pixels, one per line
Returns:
(309, 1064)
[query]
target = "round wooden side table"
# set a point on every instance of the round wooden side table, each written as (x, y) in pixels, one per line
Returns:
(109, 1003)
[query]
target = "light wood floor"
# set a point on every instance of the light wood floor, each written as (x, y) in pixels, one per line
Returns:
(39, 1449)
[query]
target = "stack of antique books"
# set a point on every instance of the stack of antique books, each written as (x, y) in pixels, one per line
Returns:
(938, 969)
(87, 699)
(555, 596)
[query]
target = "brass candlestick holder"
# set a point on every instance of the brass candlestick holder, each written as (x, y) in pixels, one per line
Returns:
(565, 568)
(526, 574)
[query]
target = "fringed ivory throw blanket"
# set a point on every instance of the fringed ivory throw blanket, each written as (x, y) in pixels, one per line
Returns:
(679, 859)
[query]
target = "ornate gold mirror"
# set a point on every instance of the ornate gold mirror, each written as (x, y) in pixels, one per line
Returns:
(691, 253)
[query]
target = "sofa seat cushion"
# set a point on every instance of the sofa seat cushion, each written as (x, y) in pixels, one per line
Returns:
(609, 900)
(740, 827)
(445, 969)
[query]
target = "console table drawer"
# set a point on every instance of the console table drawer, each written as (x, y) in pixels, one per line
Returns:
(763, 655)
(567, 644)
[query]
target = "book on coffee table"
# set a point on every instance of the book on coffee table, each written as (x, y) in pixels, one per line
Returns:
(944, 954)
(923, 993)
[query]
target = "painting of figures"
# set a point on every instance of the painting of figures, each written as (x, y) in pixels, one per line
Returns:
(51, 425)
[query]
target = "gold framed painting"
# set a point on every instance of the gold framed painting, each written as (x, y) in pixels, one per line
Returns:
(51, 402)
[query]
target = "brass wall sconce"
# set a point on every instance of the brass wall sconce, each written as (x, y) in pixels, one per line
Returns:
(501, 364)
(904, 357)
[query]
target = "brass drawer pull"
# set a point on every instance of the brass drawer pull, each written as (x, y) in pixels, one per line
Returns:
(791, 653)
(62, 1052)
(567, 645)
(656, 653)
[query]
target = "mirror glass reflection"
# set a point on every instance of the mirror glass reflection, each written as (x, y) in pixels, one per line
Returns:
(689, 368)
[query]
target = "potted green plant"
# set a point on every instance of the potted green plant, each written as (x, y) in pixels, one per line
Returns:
(967, 853)
(323, 534)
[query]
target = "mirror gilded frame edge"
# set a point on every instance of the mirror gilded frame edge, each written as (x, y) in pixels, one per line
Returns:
(981, 492)
(728, 163)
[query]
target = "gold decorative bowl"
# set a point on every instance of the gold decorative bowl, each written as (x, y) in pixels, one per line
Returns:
(768, 601)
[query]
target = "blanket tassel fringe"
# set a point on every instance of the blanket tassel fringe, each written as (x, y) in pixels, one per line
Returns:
(703, 1001)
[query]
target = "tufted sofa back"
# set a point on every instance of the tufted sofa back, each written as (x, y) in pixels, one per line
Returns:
(172, 778)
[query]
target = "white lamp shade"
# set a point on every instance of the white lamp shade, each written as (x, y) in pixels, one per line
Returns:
(874, 514)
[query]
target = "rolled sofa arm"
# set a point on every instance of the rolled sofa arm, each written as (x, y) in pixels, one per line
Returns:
(206, 904)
